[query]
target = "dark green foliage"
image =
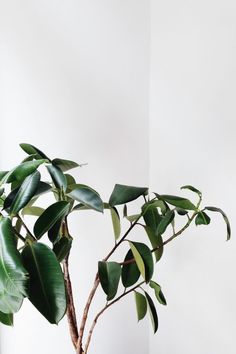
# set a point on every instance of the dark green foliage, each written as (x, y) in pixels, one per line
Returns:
(130, 272)
(109, 275)
(123, 194)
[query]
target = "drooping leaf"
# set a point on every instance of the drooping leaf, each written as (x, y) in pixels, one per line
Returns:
(13, 275)
(141, 305)
(122, 194)
(46, 287)
(109, 275)
(9, 199)
(6, 318)
(177, 201)
(54, 231)
(181, 211)
(9, 303)
(202, 218)
(49, 217)
(158, 292)
(156, 242)
(225, 219)
(57, 176)
(65, 165)
(130, 272)
(152, 218)
(165, 222)
(152, 312)
(25, 192)
(32, 210)
(32, 150)
(23, 170)
(143, 259)
(115, 222)
(62, 247)
(193, 189)
(87, 196)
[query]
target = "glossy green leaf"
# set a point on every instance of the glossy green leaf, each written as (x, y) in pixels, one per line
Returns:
(32, 150)
(130, 272)
(152, 312)
(165, 222)
(9, 303)
(141, 305)
(43, 187)
(152, 218)
(54, 231)
(57, 176)
(158, 292)
(218, 210)
(65, 165)
(202, 218)
(192, 189)
(62, 247)
(156, 242)
(181, 211)
(25, 192)
(143, 259)
(122, 194)
(6, 318)
(50, 216)
(32, 210)
(13, 275)
(115, 222)
(3, 174)
(23, 170)
(109, 275)
(87, 196)
(9, 199)
(69, 179)
(177, 201)
(46, 287)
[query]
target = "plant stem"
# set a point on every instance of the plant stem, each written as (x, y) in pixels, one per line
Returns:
(26, 228)
(71, 315)
(102, 311)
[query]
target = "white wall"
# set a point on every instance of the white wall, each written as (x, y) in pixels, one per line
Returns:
(192, 141)
(74, 81)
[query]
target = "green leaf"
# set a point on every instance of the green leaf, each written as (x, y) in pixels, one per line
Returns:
(3, 174)
(62, 247)
(109, 275)
(202, 219)
(54, 231)
(50, 216)
(25, 193)
(23, 170)
(158, 292)
(143, 259)
(115, 222)
(65, 165)
(87, 196)
(177, 201)
(32, 150)
(165, 222)
(43, 187)
(9, 199)
(69, 179)
(130, 272)
(6, 318)
(156, 241)
(181, 211)
(123, 194)
(13, 275)
(32, 210)
(193, 189)
(141, 305)
(152, 218)
(152, 312)
(10, 304)
(46, 287)
(225, 219)
(57, 176)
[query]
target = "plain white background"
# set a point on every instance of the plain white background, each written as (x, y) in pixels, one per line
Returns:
(144, 92)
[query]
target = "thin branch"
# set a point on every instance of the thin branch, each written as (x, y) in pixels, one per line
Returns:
(19, 235)
(103, 310)
(26, 228)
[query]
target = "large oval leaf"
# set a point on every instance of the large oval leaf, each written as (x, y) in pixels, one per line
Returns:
(13, 275)
(65, 165)
(50, 216)
(130, 272)
(109, 275)
(62, 247)
(6, 318)
(46, 287)
(177, 201)
(143, 259)
(25, 193)
(141, 305)
(57, 176)
(165, 222)
(122, 194)
(32, 150)
(23, 170)
(87, 196)
(9, 303)
(156, 242)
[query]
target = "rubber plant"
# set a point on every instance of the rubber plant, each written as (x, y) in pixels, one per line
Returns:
(31, 269)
